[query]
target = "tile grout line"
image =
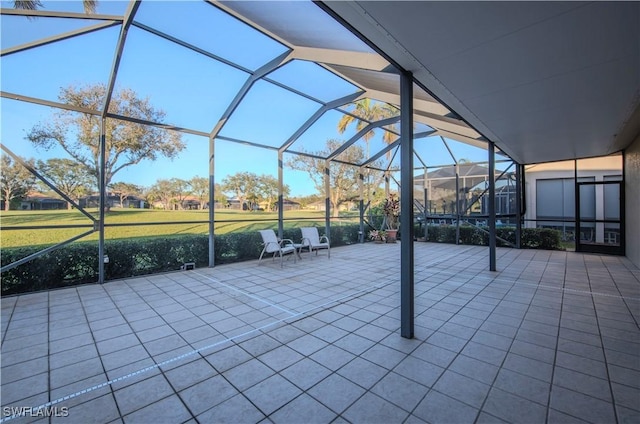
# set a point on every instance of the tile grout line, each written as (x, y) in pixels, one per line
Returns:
(604, 350)
(563, 289)
(244, 293)
(555, 353)
(193, 352)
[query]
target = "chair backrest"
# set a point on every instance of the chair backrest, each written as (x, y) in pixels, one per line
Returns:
(270, 240)
(310, 233)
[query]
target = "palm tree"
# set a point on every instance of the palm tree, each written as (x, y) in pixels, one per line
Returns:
(365, 112)
(89, 5)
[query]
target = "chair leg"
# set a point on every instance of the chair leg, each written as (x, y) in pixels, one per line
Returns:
(262, 253)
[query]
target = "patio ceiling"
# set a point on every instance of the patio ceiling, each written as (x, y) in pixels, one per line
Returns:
(544, 80)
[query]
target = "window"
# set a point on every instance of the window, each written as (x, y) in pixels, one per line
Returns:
(555, 199)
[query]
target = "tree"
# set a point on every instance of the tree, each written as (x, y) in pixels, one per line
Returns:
(268, 190)
(307, 200)
(366, 111)
(127, 143)
(89, 5)
(344, 177)
(180, 190)
(219, 196)
(169, 192)
(161, 192)
(72, 180)
(200, 189)
(15, 180)
(243, 185)
(124, 190)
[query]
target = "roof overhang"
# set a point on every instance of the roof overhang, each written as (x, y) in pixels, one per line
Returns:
(544, 80)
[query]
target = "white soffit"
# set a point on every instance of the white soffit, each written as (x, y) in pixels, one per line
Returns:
(299, 23)
(386, 87)
(544, 80)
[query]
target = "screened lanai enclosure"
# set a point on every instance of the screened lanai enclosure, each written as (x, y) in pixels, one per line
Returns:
(100, 107)
(144, 145)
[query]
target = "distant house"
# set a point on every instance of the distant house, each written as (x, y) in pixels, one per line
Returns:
(37, 201)
(193, 203)
(187, 203)
(234, 203)
(113, 201)
(290, 205)
(321, 206)
(221, 205)
(287, 205)
(438, 193)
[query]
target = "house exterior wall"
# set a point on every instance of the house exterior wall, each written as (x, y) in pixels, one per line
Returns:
(632, 200)
(598, 169)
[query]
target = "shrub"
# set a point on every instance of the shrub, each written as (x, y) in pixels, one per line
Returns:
(77, 263)
(531, 238)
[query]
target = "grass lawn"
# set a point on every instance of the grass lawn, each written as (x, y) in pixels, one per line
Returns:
(226, 221)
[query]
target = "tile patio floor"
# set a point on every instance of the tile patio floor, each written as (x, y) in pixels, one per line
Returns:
(552, 337)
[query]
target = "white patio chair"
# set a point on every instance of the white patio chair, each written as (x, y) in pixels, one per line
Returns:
(275, 246)
(311, 240)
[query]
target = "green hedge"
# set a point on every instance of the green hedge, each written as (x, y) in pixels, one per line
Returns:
(77, 263)
(531, 238)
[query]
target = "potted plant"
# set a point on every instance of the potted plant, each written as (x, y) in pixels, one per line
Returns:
(391, 210)
(378, 236)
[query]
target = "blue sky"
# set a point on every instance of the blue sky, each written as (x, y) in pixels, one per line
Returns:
(193, 89)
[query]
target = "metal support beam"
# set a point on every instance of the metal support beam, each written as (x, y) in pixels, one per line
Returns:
(361, 204)
(361, 134)
(280, 195)
(492, 207)
(387, 178)
(58, 37)
(519, 170)
(427, 207)
(124, 31)
(457, 202)
(65, 15)
(46, 182)
(44, 251)
(259, 73)
(576, 209)
(406, 207)
(314, 118)
(327, 197)
(191, 47)
(392, 146)
(449, 150)
(102, 186)
(102, 183)
(212, 201)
